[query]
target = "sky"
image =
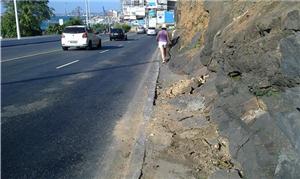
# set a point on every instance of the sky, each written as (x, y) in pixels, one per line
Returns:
(95, 5)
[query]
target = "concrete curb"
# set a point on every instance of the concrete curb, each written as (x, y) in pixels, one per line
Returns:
(138, 152)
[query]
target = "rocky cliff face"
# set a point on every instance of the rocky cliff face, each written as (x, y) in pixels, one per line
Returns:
(251, 51)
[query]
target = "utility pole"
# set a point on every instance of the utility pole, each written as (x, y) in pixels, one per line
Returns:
(89, 8)
(86, 13)
(17, 19)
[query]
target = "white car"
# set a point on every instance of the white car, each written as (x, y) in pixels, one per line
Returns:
(140, 30)
(151, 31)
(79, 36)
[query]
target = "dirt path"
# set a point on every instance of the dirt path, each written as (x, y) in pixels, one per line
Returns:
(182, 142)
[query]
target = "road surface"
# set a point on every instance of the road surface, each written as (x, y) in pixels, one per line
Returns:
(59, 107)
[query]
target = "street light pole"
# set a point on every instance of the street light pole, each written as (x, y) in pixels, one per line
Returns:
(17, 19)
(86, 13)
(89, 8)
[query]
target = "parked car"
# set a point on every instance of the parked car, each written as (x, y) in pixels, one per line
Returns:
(117, 34)
(151, 31)
(79, 36)
(140, 30)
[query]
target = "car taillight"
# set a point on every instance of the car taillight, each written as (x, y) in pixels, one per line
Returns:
(62, 36)
(84, 35)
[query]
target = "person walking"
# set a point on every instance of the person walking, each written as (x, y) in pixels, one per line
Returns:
(163, 40)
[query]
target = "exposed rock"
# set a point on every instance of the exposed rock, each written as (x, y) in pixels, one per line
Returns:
(170, 170)
(189, 102)
(290, 50)
(163, 138)
(252, 109)
(180, 135)
(287, 162)
(221, 174)
(195, 122)
(253, 48)
(291, 21)
(183, 87)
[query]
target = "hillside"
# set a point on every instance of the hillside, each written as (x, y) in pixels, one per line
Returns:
(245, 57)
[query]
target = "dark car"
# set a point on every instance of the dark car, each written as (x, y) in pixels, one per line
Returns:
(117, 34)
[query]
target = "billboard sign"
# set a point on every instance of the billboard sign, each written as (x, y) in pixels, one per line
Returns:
(152, 4)
(140, 11)
(152, 22)
(169, 17)
(152, 13)
(141, 22)
(160, 17)
(162, 1)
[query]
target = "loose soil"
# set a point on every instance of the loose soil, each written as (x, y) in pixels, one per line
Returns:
(182, 142)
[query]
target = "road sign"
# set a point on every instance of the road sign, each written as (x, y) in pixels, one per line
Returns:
(61, 22)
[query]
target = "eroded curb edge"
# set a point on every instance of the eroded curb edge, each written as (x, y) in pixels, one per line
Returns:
(138, 152)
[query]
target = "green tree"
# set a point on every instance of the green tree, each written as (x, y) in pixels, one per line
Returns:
(73, 21)
(57, 29)
(100, 27)
(30, 13)
(54, 29)
(125, 27)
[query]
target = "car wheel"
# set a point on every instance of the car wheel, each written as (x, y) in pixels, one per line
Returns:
(65, 48)
(99, 45)
(89, 47)
(110, 39)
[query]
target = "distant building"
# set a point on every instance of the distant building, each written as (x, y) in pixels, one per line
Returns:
(151, 13)
(109, 17)
(112, 13)
(133, 9)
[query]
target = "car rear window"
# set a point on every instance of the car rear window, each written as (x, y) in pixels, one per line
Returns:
(152, 28)
(74, 30)
(116, 30)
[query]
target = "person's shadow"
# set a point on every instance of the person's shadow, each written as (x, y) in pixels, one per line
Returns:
(174, 42)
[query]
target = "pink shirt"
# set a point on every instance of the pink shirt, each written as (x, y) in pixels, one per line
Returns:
(163, 36)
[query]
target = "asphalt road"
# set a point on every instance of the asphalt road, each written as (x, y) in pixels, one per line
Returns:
(59, 107)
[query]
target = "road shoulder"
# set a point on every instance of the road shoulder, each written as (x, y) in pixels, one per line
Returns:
(124, 158)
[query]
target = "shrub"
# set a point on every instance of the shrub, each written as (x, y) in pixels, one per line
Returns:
(125, 27)
(57, 29)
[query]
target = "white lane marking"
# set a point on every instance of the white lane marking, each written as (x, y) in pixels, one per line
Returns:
(67, 64)
(120, 45)
(42, 53)
(104, 51)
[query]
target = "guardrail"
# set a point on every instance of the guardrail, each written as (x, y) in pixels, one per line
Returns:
(38, 39)
(29, 40)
